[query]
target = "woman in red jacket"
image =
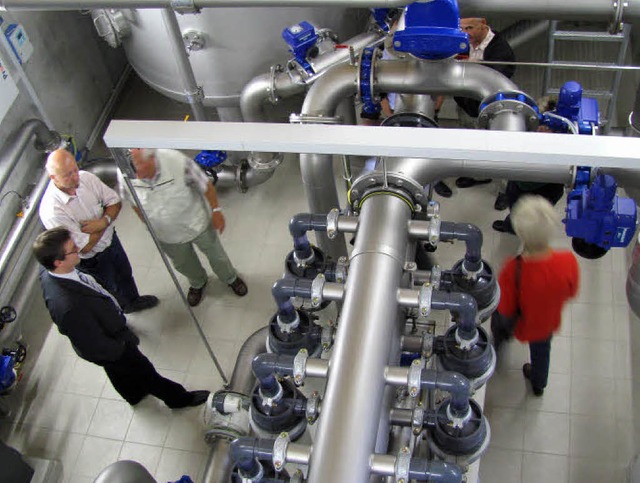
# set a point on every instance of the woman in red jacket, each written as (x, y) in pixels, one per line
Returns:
(548, 278)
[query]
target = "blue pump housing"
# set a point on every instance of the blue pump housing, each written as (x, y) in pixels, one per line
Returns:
(583, 111)
(598, 216)
(210, 158)
(432, 30)
(301, 38)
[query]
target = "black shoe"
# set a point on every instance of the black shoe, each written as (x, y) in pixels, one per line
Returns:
(143, 302)
(526, 371)
(442, 189)
(197, 398)
(500, 225)
(465, 182)
(239, 287)
(502, 203)
(195, 295)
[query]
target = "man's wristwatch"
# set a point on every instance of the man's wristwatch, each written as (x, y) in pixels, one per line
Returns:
(109, 220)
(217, 209)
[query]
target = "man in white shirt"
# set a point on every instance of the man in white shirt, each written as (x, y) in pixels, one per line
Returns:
(182, 205)
(84, 205)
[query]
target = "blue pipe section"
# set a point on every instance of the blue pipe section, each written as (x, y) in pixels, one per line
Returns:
(283, 290)
(299, 225)
(464, 305)
(247, 451)
(452, 382)
(471, 235)
(266, 366)
(422, 469)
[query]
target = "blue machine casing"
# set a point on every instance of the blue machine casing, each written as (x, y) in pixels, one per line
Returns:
(432, 30)
(301, 38)
(598, 216)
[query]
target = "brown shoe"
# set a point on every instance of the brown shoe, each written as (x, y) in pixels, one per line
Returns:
(239, 287)
(195, 295)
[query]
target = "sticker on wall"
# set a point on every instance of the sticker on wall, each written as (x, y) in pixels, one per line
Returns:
(8, 90)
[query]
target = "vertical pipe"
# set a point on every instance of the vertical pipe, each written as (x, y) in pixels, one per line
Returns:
(356, 385)
(185, 71)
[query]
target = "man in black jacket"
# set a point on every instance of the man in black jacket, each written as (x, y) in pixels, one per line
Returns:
(484, 44)
(96, 326)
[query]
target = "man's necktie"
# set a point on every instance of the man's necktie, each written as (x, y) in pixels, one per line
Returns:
(90, 282)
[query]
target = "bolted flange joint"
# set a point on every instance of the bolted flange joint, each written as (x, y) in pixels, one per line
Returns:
(280, 450)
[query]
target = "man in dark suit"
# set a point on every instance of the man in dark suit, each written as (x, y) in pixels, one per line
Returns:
(96, 326)
(484, 44)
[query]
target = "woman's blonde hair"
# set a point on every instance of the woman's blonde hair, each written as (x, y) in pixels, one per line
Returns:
(535, 221)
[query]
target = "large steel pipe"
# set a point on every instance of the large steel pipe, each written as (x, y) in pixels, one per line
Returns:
(427, 170)
(367, 331)
(196, 4)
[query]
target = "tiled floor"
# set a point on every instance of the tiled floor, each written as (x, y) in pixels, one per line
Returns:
(582, 430)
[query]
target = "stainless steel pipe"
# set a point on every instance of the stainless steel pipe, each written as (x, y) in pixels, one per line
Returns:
(367, 332)
(79, 4)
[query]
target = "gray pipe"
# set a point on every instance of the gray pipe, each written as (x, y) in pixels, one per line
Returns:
(17, 235)
(366, 335)
(79, 4)
(45, 140)
(425, 171)
(233, 176)
(549, 9)
(468, 233)
(523, 31)
(193, 93)
(219, 464)
(461, 303)
(452, 382)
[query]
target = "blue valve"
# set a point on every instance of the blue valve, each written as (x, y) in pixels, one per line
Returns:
(598, 216)
(432, 30)
(582, 111)
(210, 159)
(301, 38)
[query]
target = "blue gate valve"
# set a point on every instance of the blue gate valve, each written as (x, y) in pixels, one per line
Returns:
(432, 30)
(301, 38)
(596, 216)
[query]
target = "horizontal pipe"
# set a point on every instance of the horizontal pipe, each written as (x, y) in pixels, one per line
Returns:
(333, 291)
(298, 453)
(401, 417)
(383, 464)
(348, 224)
(396, 376)
(407, 297)
(316, 368)
(79, 4)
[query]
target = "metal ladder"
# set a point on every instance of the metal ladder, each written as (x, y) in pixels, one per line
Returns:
(611, 95)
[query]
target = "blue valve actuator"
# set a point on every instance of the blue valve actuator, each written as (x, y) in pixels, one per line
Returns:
(210, 158)
(7, 372)
(583, 111)
(432, 30)
(598, 216)
(300, 38)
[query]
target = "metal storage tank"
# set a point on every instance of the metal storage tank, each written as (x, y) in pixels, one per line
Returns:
(230, 46)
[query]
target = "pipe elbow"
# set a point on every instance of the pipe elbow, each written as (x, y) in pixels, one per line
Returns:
(246, 451)
(455, 384)
(436, 471)
(264, 365)
(252, 97)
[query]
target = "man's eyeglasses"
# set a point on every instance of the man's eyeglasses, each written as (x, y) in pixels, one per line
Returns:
(71, 253)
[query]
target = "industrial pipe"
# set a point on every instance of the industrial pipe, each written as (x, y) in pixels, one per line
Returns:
(452, 382)
(192, 91)
(464, 305)
(45, 140)
(365, 342)
(282, 291)
(266, 366)
(471, 235)
(219, 465)
(423, 469)
(299, 225)
(247, 451)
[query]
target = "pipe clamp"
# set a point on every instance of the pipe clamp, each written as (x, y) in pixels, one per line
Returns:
(332, 223)
(316, 290)
(434, 230)
(184, 6)
(313, 407)
(303, 262)
(403, 460)
(288, 327)
(433, 209)
(300, 366)
(458, 421)
(471, 275)
(424, 299)
(341, 270)
(414, 378)
(280, 450)
(417, 419)
(326, 338)
(436, 277)
(466, 345)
